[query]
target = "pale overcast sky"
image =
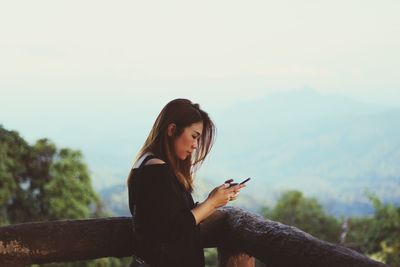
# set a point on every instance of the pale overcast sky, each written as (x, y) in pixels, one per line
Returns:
(215, 52)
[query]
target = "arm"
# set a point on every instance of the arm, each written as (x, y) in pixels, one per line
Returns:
(218, 197)
(202, 211)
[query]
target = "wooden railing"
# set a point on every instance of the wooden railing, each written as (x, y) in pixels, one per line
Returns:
(239, 235)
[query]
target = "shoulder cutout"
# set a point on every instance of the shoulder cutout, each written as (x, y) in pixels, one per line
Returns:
(154, 161)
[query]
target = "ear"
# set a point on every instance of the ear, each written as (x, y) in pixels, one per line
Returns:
(171, 129)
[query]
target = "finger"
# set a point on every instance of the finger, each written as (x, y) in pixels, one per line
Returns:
(235, 188)
(234, 195)
(229, 187)
(225, 185)
(232, 198)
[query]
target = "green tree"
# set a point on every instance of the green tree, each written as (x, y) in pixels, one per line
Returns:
(69, 191)
(306, 214)
(41, 182)
(14, 156)
(378, 235)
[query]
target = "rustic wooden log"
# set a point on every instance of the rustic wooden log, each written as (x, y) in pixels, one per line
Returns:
(230, 229)
(65, 240)
(212, 232)
(279, 245)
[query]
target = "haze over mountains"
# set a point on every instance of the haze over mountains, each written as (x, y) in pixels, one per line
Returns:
(329, 147)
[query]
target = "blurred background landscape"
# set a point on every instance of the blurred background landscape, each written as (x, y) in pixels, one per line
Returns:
(305, 97)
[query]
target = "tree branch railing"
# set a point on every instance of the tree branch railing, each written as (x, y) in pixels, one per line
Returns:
(239, 235)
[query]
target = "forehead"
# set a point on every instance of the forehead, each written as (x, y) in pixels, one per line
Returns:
(196, 127)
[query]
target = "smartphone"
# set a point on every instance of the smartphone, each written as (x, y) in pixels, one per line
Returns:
(245, 181)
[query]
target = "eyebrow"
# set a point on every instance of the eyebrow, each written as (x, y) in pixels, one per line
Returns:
(198, 133)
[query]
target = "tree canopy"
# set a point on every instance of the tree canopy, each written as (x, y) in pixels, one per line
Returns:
(41, 182)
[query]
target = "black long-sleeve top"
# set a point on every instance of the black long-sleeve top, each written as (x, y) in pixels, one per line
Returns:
(163, 216)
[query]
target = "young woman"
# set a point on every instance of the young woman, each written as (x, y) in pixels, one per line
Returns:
(166, 220)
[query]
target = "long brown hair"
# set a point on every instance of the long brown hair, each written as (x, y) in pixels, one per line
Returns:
(183, 113)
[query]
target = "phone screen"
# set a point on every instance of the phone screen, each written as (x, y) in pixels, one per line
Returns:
(245, 181)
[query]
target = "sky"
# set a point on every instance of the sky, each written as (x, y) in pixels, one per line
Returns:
(102, 56)
(73, 67)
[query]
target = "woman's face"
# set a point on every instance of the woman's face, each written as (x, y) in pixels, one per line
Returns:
(187, 141)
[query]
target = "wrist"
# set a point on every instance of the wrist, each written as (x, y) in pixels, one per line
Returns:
(210, 204)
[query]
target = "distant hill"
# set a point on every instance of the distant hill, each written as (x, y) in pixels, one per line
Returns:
(327, 146)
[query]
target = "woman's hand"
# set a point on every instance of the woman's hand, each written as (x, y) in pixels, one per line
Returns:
(218, 197)
(221, 195)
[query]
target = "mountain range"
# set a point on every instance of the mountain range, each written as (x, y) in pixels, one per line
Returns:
(329, 147)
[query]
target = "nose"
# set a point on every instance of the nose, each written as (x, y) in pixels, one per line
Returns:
(194, 145)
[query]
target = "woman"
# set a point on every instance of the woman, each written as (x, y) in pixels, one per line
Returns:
(166, 220)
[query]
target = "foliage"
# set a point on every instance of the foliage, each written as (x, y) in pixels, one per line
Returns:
(306, 214)
(379, 235)
(41, 182)
(211, 257)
